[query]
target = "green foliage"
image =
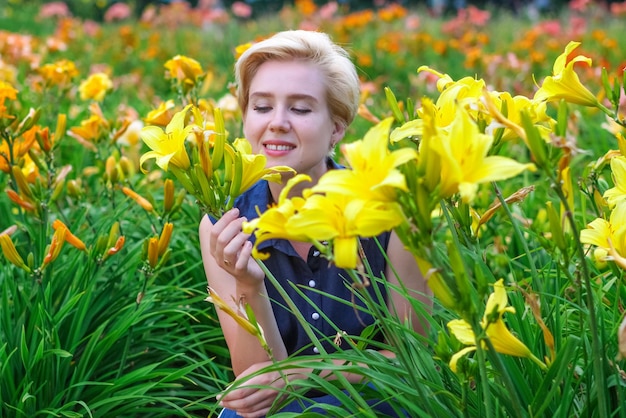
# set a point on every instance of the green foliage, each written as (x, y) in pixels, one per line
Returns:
(116, 330)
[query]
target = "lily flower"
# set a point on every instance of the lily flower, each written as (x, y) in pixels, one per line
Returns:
(492, 323)
(564, 82)
(95, 87)
(59, 73)
(454, 94)
(342, 219)
(609, 236)
(373, 174)
(185, 70)
(253, 167)
(465, 160)
(162, 115)
(273, 222)
(617, 193)
(168, 146)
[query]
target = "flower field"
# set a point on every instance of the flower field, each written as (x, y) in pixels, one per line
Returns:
(492, 143)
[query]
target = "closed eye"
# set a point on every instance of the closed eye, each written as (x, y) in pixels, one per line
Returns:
(262, 109)
(301, 111)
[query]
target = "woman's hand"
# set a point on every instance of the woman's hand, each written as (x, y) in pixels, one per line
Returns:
(231, 249)
(254, 398)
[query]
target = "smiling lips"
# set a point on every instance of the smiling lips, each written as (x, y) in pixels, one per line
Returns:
(274, 149)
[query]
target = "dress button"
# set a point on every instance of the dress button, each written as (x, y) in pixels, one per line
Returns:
(315, 316)
(316, 253)
(316, 350)
(311, 283)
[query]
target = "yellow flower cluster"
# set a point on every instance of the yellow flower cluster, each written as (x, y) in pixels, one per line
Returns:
(218, 171)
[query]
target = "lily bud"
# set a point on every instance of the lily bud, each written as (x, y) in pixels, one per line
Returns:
(168, 195)
(18, 200)
(21, 181)
(153, 252)
(54, 249)
(11, 254)
(29, 121)
(71, 239)
(119, 244)
(110, 169)
(141, 201)
(126, 166)
(61, 125)
(164, 239)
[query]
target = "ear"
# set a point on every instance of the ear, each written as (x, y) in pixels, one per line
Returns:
(338, 133)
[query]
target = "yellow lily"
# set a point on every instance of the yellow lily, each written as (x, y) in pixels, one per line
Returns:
(90, 129)
(59, 73)
(617, 193)
(609, 236)
(515, 106)
(7, 91)
(342, 219)
(254, 168)
(503, 341)
(167, 146)
(185, 70)
(162, 115)
(465, 161)
(564, 82)
(374, 174)
(454, 94)
(95, 87)
(273, 222)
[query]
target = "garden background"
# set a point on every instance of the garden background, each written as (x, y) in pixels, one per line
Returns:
(102, 291)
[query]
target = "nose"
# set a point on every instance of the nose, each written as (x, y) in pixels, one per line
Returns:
(279, 122)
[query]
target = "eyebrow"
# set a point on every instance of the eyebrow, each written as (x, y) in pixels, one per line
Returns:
(296, 96)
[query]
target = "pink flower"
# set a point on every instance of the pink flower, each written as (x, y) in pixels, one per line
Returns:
(328, 10)
(241, 9)
(477, 17)
(54, 9)
(117, 11)
(412, 22)
(618, 9)
(579, 5)
(551, 27)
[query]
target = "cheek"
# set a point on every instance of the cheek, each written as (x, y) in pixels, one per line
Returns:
(251, 130)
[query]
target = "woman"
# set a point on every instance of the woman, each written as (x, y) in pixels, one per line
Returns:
(298, 92)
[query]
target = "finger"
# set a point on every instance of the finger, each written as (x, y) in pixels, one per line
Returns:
(252, 406)
(232, 251)
(245, 255)
(219, 227)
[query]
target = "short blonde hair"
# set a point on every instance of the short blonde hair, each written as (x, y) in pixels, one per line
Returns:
(342, 81)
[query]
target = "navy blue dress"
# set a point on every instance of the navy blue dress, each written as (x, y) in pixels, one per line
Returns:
(313, 277)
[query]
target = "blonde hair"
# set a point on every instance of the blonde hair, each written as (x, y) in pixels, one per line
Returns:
(342, 81)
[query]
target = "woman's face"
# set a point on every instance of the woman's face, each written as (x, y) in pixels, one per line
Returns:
(288, 119)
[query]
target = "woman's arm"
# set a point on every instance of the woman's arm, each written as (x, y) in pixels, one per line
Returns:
(233, 274)
(402, 263)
